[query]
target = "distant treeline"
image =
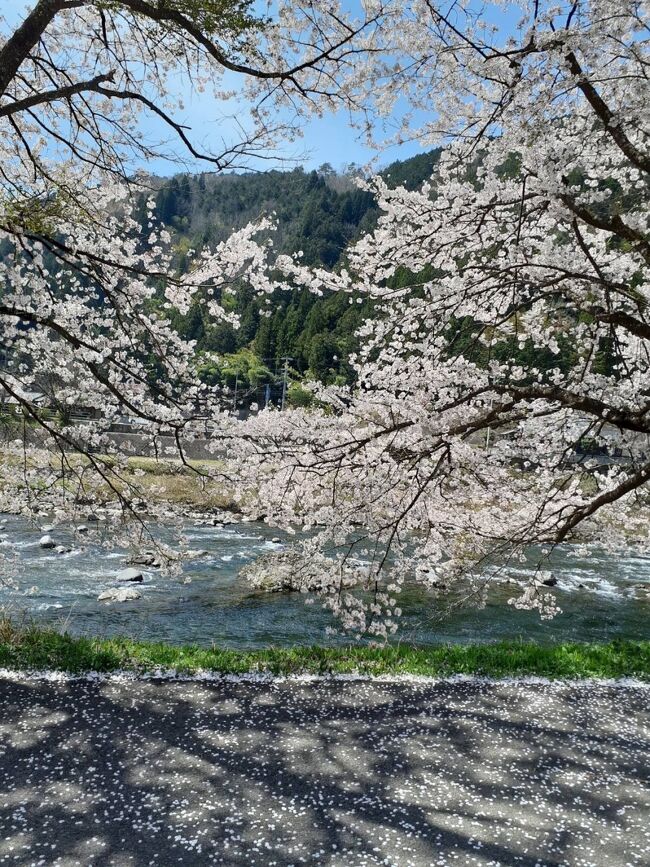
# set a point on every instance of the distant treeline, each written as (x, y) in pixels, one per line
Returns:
(318, 213)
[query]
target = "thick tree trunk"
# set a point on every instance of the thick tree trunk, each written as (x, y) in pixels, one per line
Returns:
(23, 40)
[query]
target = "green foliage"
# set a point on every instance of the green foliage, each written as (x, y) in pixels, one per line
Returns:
(412, 173)
(242, 369)
(37, 216)
(211, 17)
(32, 648)
(314, 217)
(297, 396)
(322, 357)
(318, 214)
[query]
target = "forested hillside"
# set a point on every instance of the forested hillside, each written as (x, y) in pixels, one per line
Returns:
(318, 213)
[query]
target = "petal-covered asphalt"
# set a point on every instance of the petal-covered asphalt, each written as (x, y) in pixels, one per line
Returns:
(326, 772)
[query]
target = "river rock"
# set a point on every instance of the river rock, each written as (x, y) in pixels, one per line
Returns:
(82, 528)
(270, 583)
(61, 549)
(119, 594)
(278, 572)
(131, 574)
(46, 541)
(194, 555)
(550, 582)
(144, 558)
(47, 528)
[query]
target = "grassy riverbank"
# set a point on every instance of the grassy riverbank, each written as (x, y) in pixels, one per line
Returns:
(161, 481)
(37, 649)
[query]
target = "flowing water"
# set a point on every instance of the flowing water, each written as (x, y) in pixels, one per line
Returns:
(600, 595)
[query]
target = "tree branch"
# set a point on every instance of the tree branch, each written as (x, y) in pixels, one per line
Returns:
(17, 48)
(613, 128)
(91, 84)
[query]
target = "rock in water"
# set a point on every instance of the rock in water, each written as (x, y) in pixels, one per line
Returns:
(82, 528)
(146, 558)
(550, 582)
(119, 594)
(279, 572)
(194, 555)
(46, 541)
(133, 575)
(61, 549)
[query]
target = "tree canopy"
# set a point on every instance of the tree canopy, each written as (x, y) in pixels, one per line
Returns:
(508, 293)
(521, 333)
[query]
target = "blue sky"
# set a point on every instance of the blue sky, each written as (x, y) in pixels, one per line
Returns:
(330, 139)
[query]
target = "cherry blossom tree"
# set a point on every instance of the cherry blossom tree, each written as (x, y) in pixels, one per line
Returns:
(510, 292)
(512, 333)
(82, 294)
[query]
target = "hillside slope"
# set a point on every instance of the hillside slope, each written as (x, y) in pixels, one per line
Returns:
(319, 213)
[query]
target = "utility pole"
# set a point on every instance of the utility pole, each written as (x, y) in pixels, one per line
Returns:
(234, 400)
(285, 374)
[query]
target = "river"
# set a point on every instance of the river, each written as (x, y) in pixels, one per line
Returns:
(599, 595)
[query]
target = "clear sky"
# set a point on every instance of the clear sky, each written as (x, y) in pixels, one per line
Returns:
(330, 139)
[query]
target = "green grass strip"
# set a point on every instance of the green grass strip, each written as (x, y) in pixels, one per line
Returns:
(32, 648)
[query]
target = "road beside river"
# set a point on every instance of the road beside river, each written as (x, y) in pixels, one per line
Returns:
(332, 772)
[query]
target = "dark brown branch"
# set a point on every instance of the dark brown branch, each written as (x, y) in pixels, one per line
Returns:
(59, 93)
(612, 127)
(17, 48)
(633, 421)
(178, 128)
(164, 14)
(636, 480)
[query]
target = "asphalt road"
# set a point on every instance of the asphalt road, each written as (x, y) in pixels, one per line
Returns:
(333, 773)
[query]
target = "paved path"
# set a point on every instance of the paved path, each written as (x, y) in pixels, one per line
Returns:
(330, 773)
